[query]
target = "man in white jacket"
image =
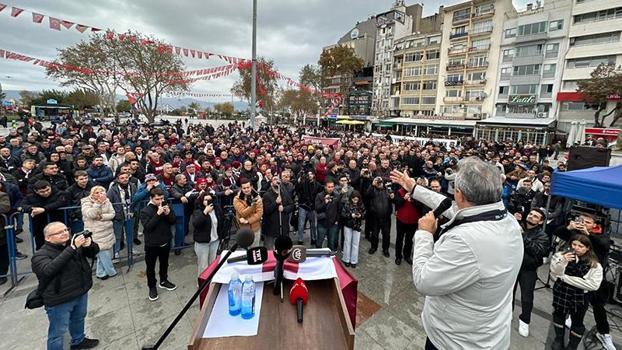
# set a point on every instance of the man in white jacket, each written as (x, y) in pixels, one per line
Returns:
(467, 276)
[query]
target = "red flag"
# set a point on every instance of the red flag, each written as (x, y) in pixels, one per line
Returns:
(93, 29)
(37, 17)
(1, 51)
(200, 54)
(2, 7)
(132, 38)
(131, 99)
(67, 24)
(177, 50)
(54, 23)
(121, 37)
(81, 28)
(109, 35)
(186, 52)
(192, 53)
(207, 54)
(16, 11)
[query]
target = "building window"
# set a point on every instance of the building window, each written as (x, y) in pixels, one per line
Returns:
(413, 57)
(574, 106)
(506, 72)
(530, 69)
(429, 85)
(455, 61)
(570, 85)
(548, 70)
(453, 109)
(603, 15)
(476, 95)
(481, 27)
(528, 51)
(590, 61)
(461, 15)
(531, 29)
(477, 76)
(434, 40)
(428, 100)
(552, 50)
(480, 44)
(433, 55)
(556, 25)
(546, 89)
(455, 77)
(531, 89)
(412, 86)
(431, 70)
(412, 71)
(486, 8)
(605, 38)
(478, 61)
(503, 90)
(454, 93)
(410, 100)
(510, 33)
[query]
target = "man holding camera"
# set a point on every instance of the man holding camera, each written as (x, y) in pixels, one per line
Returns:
(61, 267)
(586, 224)
(157, 219)
(327, 208)
(380, 210)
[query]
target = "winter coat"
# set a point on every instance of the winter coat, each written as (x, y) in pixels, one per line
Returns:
(307, 191)
(327, 213)
(468, 302)
(346, 215)
(98, 219)
(202, 226)
(589, 282)
(271, 213)
(114, 195)
(157, 227)
(65, 270)
(5, 207)
(253, 213)
(536, 245)
(58, 182)
(101, 175)
(379, 203)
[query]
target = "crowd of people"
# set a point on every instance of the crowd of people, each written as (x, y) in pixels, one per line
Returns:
(276, 183)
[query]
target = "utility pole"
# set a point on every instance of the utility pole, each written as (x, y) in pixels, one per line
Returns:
(254, 67)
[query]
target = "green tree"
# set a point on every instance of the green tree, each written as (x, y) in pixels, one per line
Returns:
(339, 61)
(225, 108)
(26, 98)
(311, 76)
(124, 106)
(193, 108)
(266, 83)
(45, 95)
(605, 82)
(298, 102)
(80, 99)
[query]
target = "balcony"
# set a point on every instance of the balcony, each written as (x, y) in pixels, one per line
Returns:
(457, 51)
(462, 35)
(505, 77)
(482, 15)
(461, 19)
(503, 96)
(455, 67)
(479, 48)
(452, 99)
(481, 65)
(507, 59)
(477, 99)
(531, 37)
(475, 82)
(454, 82)
(484, 31)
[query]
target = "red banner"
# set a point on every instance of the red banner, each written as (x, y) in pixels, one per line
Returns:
(37, 17)
(325, 141)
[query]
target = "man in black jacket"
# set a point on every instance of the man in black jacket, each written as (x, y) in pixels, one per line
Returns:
(157, 219)
(61, 267)
(306, 189)
(81, 188)
(380, 209)
(586, 224)
(327, 208)
(536, 244)
(50, 174)
(120, 195)
(277, 206)
(42, 205)
(5, 207)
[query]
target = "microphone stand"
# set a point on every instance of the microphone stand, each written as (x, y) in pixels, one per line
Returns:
(191, 301)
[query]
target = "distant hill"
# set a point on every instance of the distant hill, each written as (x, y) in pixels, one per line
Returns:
(171, 102)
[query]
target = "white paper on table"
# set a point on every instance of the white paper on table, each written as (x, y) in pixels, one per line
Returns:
(221, 324)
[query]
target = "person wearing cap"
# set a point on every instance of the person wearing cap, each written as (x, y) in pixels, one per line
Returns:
(536, 247)
(142, 193)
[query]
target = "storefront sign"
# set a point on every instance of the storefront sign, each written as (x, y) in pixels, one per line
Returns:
(522, 99)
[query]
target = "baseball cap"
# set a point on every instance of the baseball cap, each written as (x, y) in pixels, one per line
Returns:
(150, 177)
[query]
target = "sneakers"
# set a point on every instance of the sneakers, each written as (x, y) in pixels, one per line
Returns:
(523, 328)
(86, 344)
(153, 294)
(20, 256)
(605, 340)
(167, 285)
(398, 261)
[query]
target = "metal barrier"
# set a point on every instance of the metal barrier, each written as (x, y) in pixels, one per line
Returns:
(9, 231)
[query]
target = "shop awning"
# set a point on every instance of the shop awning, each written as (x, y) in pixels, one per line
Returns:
(522, 122)
(431, 122)
(350, 122)
(576, 96)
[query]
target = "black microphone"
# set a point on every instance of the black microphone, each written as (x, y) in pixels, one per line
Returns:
(442, 207)
(254, 256)
(282, 248)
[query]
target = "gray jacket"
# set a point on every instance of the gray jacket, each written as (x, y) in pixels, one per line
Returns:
(467, 277)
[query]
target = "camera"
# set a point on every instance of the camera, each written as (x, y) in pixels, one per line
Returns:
(389, 187)
(85, 233)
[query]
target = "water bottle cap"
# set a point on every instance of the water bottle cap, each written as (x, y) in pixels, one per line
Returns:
(248, 278)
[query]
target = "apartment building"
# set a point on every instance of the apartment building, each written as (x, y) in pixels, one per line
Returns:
(470, 46)
(529, 74)
(594, 32)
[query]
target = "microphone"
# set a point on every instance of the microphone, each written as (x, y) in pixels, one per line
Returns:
(299, 253)
(254, 256)
(282, 248)
(299, 295)
(442, 207)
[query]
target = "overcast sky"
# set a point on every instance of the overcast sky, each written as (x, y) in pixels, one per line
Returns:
(291, 32)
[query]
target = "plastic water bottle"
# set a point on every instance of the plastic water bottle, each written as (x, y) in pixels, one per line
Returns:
(248, 298)
(235, 294)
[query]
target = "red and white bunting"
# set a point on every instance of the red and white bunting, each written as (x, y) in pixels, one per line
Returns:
(37, 17)
(2, 7)
(81, 28)
(66, 24)
(16, 11)
(93, 29)
(54, 23)
(185, 52)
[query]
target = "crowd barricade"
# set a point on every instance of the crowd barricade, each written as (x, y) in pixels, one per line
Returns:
(9, 223)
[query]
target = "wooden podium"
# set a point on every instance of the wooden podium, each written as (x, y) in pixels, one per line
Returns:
(326, 322)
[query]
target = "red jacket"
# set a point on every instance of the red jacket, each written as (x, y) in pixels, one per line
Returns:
(407, 212)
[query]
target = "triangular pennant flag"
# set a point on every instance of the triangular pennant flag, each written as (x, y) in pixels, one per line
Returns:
(81, 28)
(186, 52)
(199, 54)
(177, 50)
(67, 24)
(37, 17)
(132, 38)
(16, 11)
(207, 54)
(2, 7)
(109, 35)
(93, 29)
(54, 23)
(192, 53)
(121, 37)
(1, 51)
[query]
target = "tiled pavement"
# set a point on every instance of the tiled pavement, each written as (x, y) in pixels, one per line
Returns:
(122, 317)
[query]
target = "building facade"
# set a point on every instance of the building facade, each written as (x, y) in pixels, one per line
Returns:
(594, 34)
(470, 46)
(529, 73)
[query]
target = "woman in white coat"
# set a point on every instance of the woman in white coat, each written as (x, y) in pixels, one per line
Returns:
(97, 212)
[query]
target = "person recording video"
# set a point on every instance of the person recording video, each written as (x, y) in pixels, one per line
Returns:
(248, 209)
(277, 205)
(380, 209)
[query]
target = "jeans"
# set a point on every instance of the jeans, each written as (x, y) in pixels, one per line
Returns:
(257, 238)
(152, 254)
(384, 226)
(303, 216)
(69, 315)
(206, 254)
(527, 281)
(104, 264)
(332, 235)
(119, 228)
(598, 299)
(405, 234)
(351, 241)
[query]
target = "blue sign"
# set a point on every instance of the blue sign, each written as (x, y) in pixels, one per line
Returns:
(52, 102)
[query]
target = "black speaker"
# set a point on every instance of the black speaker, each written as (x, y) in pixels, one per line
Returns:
(582, 157)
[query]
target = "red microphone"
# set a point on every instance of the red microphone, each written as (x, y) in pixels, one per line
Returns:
(299, 295)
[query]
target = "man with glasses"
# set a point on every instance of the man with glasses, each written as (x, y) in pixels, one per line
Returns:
(61, 265)
(42, 206)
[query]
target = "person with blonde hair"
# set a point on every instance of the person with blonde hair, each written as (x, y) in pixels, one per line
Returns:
(98, 213)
